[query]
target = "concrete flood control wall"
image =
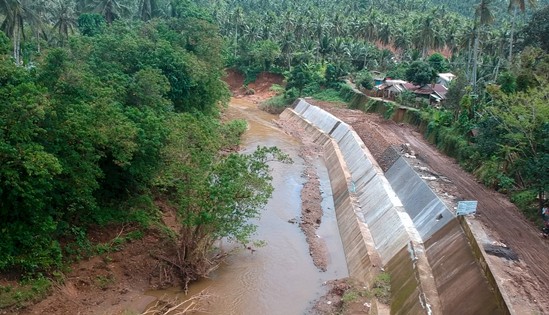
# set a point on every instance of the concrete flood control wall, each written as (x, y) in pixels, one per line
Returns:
(398, 223)
(446, 246)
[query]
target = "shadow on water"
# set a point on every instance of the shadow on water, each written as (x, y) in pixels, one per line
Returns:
(280, 277)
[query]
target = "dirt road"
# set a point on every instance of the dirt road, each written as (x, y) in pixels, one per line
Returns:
(526, 280)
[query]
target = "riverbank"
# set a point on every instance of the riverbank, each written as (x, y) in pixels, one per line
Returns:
(116, 282)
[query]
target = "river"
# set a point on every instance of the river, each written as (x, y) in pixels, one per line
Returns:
(278, 278)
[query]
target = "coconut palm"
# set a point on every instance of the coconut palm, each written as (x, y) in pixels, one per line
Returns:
(64, 19)
(514, 5)
(483, 17)
(148, 9)
(17, 13)
(110, 9)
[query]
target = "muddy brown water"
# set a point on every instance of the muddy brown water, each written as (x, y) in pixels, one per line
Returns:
(280, 277)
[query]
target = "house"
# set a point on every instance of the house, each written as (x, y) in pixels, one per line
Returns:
(390, 89)
(445, 78)
(435, 93)
(378, 77)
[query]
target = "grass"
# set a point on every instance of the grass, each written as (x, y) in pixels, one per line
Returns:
(329, 95)
(26, 292)
(278, 89)
(116, 244)
(350, 296)
(382, 288)
(104, 282)
(275, 105)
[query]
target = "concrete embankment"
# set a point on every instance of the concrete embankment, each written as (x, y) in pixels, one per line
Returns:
(394, 221)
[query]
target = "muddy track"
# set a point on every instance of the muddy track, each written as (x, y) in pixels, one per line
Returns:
(527, 279)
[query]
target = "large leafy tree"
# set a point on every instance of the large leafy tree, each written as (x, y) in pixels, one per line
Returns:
(85, 128)
(420, 73)
(216, 194)
(523, 122)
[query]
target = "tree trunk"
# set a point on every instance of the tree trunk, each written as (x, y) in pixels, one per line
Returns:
(496, 70)
(17, 44)
(512, 35)
(235, 40)
(475, 60)
(469, 54)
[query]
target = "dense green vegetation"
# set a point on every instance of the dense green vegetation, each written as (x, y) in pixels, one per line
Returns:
(102, 113)
(495, 119)
(106, 105)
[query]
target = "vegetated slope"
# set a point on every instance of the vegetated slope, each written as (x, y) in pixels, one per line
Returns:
(527, 279)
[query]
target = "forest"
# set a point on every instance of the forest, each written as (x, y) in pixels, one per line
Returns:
(101, 115)
(109, 105)
(495, 119)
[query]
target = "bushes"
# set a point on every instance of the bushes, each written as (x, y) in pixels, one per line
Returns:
(346, 92)
(526, 202)
(30, 247)
(276, 104)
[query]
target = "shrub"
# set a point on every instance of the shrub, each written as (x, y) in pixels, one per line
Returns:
(346, 92)
(365, 79)
(526, 202)
(278, 89)
(276, 104)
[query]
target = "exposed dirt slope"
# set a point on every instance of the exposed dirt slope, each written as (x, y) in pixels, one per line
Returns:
(526, 280)
(256, 91)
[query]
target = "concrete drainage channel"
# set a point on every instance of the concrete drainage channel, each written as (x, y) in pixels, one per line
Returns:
(394, 222)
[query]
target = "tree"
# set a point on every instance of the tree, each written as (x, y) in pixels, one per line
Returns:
(438, 62)
(148, 9)
(27, 175)
(420, 73)
(483, 17)
(110, 9)
(216, 195)
(364, 79)
(4, 45)
(13, 25)
(507, 82)
(426, 37)
(535, 32)
(513, 5)
(456, 91)
(523, 121)
(90, 24)
(264, 53)
(302, 75)
(65, 19)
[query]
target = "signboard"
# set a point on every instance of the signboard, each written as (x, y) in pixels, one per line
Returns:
(467, 207)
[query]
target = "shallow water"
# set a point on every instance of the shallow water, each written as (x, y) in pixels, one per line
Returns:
(280, 277)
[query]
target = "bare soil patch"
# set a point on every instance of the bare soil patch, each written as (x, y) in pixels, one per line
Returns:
(346, 297)
(257, 91)
(115, 281)
(311, 198)
(108, 284)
